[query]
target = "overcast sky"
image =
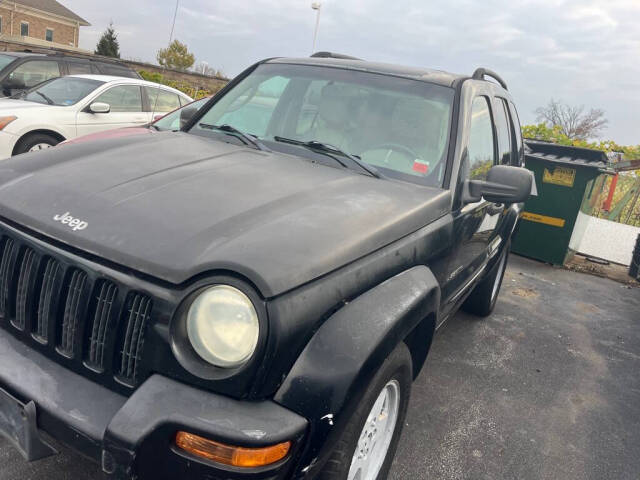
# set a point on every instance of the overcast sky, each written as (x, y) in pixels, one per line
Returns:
(582, 51)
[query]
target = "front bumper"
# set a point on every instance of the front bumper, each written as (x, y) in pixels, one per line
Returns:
(133, 436)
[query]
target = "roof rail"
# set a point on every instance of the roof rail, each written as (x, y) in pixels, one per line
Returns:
(333, 55)
(480, 73)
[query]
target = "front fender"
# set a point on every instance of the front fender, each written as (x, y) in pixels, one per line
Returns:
(333, 371)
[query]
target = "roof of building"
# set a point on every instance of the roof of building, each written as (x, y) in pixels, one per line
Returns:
(53, 7)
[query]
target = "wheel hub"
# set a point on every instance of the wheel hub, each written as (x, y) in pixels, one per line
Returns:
(376, 435)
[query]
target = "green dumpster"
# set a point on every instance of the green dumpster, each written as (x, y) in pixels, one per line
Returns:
(569, 182)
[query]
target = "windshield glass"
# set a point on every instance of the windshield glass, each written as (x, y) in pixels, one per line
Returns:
(62, 91)
(400, 126)
(5, 60)
(171, 121)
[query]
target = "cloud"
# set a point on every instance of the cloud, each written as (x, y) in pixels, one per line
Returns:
(583, 51)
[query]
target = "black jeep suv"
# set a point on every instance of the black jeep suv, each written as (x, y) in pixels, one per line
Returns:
(252, 296)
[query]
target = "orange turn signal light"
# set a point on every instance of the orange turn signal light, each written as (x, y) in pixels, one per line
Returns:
(4, 121)
(230, 455)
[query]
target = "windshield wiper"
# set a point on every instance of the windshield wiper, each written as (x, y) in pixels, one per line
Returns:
(245, 137)
(328, 150)
(47, 99)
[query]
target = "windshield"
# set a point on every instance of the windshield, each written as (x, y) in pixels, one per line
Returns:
(400, 126)
(171, 121)
(62, 91)
(5, 60)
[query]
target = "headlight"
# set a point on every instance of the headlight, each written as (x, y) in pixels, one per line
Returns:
(222, 326)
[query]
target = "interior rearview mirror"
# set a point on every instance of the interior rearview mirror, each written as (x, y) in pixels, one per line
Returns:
(187, 114)
(99, 107)
(504, 184)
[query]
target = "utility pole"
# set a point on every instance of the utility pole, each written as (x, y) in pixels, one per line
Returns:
(317, 6)
(175, 14)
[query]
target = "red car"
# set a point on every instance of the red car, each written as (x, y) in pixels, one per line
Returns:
(170, 121)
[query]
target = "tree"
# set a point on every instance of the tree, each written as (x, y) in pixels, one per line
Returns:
(573, 121)
(108, 44)
(176, 56)
(205, 69)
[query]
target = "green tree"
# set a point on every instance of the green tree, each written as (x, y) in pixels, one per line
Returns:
(176, 56)
(108, 44)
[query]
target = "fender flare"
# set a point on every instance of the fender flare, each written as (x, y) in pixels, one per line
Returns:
(333, 371)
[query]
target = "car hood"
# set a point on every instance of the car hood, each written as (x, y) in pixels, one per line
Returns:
(13, 105)
(175, 205)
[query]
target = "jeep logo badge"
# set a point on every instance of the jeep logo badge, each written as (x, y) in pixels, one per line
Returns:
(74, 223)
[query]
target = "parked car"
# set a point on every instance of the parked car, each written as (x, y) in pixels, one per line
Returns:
(67, 107)
(23, 70)
(252, 296)
(172, 121)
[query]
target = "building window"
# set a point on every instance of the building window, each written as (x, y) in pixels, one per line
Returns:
(48, 36)
(0, 24)
(24, 29)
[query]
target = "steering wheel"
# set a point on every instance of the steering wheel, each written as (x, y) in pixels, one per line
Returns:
(395, 147)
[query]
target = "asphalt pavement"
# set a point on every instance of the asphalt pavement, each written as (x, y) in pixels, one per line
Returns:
(547, 387)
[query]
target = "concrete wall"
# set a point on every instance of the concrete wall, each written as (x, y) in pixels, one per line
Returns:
(196, 79)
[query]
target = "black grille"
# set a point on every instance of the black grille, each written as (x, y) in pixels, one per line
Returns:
(138, 310)
(101, 320)
(8, 246)
(45, 300)
(72, 311)
(23, 308)
(91, 324)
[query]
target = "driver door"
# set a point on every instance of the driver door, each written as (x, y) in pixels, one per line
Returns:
(475, 234)
(126, 111)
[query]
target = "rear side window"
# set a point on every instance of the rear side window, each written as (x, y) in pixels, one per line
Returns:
(481, 144)
(77, 68)
(517, 130)
(115, 70)
(123, 98)
(503, 127)
(162, 100)
(34, 72)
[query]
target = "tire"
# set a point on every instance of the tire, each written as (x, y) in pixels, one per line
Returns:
(483, 297)
(33, 140)
(396, 371)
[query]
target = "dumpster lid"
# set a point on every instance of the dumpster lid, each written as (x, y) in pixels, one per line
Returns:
(577, 156)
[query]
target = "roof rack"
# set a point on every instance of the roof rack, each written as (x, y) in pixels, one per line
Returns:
(480, 73)
(333, 55)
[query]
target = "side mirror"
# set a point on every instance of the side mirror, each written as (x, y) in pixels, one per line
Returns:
(99, 107)
(186, 114)
(504, 184)
(13, 83)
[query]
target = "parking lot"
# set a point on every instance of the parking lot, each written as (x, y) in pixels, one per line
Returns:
(545, 388)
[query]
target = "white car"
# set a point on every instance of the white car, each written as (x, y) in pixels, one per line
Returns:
(68, 107)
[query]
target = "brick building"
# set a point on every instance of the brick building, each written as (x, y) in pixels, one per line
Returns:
(40, 22)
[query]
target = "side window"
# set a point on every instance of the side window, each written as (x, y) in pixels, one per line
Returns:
(35, 71)
(481, 143)
(77, 68)
(504, 132)
(518, 134)
(123, 98)
(161, 100)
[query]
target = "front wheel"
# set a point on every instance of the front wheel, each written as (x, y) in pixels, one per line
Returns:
(35, 142)
(368, 444)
